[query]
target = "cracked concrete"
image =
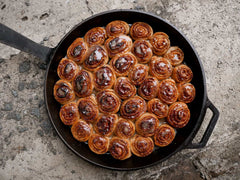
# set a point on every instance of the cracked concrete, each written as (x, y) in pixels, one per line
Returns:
(29, 146)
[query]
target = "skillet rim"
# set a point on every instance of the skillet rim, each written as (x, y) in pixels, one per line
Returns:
(198, 121)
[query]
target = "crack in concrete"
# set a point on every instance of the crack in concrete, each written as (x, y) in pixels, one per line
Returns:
(89, 9)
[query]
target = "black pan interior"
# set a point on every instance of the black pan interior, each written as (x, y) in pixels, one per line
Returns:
(184, 135)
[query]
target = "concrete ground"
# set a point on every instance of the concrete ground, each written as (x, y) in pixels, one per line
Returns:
(29, 146)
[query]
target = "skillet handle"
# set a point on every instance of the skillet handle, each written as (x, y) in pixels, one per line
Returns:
(209, 129)
(18, 41)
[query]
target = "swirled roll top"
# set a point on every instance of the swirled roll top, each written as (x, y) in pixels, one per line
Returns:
(147, 124)
(63, 92)
(95, 36)
(77, 51)
(178, 115)
(118, 44)
(142, 146)
(83, 83)
(133, 108)
(160, 68)
(120, 148)
(160, 43)
(117, 27)
(106, 124)
(164, 135)
(141, 30)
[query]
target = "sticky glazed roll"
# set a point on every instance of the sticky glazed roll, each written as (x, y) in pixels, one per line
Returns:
(138, 74)
(158, 108)
(133, 108)
(106, 124)
(95, 36)
(96, 57)
(142, 49)
(146, 124)
(186, 92)
(83, 83)
(117, 27)
(118, 44)
(104, 77)
(160, 68)
(120, 148)
(164, 135)
(88, 109)
(160, 43)
(69, 113)
(81, 130)
(108, 101)
(63, 92)
(122, 64)
(168, 92)
(141, 146)
(98, 144)
(67, 69)
(182, 73)
(141, 30)
(124, 128)
(178, 115)
(175, 55)
(148, 88)
(124, 88)
(77, 51)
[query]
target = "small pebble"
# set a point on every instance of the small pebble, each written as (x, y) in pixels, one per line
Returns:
(14, 93)
(24, 66)
(7, 106)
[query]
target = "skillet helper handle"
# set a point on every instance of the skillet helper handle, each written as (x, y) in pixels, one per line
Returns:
(209, 129)
(18, 41)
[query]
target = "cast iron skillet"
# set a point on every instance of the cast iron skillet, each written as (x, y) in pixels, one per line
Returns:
(52, 56)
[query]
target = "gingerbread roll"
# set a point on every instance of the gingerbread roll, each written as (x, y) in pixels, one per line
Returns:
(117, 27)
(133, 108)
(149, 88)
(63, 92)
(158, 108)
(104, 78)
(164, 135)
(142, 49)
(147, 124)
(77, 51)
(141, 30)
(138, 74)
(96, 57)
(178, 115)
(141, 146)
(95, 36)
(160, 43)
(69, 113)
(175, 55)
(124, 88)
(98, 144)
(168, 92)
(120, 148)
(106, 124)
(124, 128)
(108, 101)
(186, 92)
(182, 73)
(83, 83)
(67, 69)
(81, 130)
(118, 44)
(160, 68)
(88, 109)
(122, 64)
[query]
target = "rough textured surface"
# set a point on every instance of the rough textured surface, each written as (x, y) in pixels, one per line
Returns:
(29, 147)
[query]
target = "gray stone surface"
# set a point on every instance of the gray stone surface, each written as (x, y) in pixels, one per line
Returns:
(29, 147)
